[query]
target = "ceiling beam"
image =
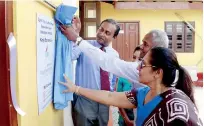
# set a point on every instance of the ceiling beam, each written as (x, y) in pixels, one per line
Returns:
(160, 5)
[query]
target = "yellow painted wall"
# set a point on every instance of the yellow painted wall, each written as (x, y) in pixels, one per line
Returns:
(154, 19)
(25, 32)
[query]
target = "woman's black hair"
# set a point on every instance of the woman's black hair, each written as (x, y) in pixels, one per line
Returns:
(166, 60)
(137, 48)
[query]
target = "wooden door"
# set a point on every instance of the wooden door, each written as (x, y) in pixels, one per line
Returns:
(8, 115)
(127, 40)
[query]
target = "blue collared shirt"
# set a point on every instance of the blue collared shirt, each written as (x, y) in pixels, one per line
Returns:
(87, 72)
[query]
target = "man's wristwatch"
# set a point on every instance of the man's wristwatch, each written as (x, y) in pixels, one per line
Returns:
(78, 40)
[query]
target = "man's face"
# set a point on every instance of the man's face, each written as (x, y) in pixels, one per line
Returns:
(146, 45)
(105, 33)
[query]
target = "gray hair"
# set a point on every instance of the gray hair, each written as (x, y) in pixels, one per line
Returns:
(160, 38)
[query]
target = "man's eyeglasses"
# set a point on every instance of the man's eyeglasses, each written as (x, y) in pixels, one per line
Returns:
(142, 65)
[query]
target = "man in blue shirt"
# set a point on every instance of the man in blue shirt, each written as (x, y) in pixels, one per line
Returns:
(88, 75)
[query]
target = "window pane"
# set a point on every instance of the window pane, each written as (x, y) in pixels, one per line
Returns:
(170, 41)
(90, 29)
(179, 43)
(179, 28)
(170, 45)
(90, 10)
(169, 31)
(189, 33)
(188, 30)
(179, 37)
(170, 37)
(189, 38)
(169, 27)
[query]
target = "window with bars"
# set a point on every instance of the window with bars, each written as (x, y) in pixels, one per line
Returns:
(181, 36)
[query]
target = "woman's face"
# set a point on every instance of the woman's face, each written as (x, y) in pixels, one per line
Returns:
(136, 55)
(146, 73)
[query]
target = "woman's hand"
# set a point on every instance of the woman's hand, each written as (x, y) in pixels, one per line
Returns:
(69, 84)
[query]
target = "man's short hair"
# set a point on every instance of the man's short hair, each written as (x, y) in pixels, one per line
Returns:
(114, 23)
(159, 38)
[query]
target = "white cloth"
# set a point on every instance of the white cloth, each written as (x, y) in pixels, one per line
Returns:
(109, 63)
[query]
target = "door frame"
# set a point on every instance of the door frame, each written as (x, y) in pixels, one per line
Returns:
(8, 116)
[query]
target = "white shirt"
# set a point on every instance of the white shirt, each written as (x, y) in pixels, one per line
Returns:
(109, 63)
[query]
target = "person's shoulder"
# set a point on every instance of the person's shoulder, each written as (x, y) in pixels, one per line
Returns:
(113, 51)
(175, 93)
(116, 53)
(143, 88)
(92, 42)
(175, 98)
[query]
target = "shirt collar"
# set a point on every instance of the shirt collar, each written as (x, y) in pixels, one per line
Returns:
(99, 45)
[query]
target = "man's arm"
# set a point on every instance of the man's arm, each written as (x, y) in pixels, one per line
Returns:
(75, 52)
(109, 63)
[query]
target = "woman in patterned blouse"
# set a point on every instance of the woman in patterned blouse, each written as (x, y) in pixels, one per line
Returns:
(167, 99)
